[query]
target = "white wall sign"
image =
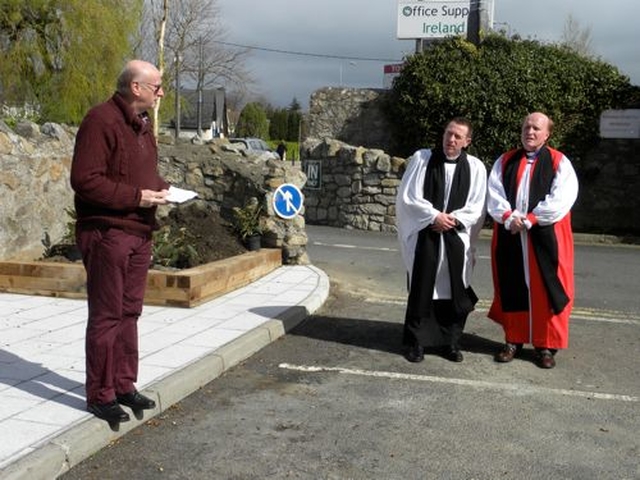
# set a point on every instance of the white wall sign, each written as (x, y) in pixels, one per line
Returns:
(432, 19)
(620, 124)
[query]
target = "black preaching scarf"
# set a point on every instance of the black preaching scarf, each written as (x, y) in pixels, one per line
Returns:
(513, 289)
(420, 304)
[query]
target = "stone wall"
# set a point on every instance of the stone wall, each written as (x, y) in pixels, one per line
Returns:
(34, 185)
(227, 178)
(358, 188)
(609, 184)
(609, 175)
(351, 115)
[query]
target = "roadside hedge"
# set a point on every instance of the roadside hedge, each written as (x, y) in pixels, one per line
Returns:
(495, 85)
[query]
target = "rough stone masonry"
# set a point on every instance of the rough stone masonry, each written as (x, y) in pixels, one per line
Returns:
(35, 163)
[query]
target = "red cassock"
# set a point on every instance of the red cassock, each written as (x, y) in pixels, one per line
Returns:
(537, 312)
(539, 325)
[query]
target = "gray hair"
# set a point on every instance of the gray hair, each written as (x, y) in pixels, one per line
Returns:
(124, 80)
(133, 70)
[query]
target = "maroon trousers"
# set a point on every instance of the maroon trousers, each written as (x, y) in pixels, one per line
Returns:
(117, 264)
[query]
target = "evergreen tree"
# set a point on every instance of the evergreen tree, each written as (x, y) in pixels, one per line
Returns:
(293, 125)
(278, 124)
(253, 122)
(293, 121)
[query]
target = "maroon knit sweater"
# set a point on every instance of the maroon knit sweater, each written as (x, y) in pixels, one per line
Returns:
(115, 157)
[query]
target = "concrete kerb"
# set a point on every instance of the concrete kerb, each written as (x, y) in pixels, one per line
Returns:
(62, 452)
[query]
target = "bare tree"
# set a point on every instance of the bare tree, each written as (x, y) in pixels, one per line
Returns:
(161, 62)
(577, 38)
(193, 52)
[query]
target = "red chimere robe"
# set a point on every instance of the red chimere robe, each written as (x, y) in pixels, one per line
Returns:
(537, 313)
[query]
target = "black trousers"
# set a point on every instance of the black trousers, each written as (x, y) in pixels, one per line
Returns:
(442, 327)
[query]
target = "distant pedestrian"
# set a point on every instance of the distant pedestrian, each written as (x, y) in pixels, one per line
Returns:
(117, 188)
(440, 209)
(531, 193)
(282, 150)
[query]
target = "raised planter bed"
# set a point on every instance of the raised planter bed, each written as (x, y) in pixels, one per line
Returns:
(181, 288)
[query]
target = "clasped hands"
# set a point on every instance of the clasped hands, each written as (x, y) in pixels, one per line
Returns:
(443, 222)
(517, 223)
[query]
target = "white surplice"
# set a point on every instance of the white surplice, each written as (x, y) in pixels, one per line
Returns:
(414, 213)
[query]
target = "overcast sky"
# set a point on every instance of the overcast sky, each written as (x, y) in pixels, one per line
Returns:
(365, 31)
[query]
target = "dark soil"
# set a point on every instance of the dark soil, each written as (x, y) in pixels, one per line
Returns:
(210, 235)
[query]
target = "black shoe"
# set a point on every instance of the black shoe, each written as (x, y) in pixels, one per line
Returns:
(453, 354)
(136, 401)
(414, 354)
(111, 412)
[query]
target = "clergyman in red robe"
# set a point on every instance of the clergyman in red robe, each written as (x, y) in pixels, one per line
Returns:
(531, 191)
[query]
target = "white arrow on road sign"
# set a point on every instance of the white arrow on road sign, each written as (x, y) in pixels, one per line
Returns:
(287, 201)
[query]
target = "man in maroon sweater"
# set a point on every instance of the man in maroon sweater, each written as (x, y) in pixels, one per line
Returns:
(117, 187)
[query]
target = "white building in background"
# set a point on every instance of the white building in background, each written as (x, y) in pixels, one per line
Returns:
(211, 117)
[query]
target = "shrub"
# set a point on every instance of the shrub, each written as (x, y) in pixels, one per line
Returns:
(173, 247)
(495, 85)
(246, 219)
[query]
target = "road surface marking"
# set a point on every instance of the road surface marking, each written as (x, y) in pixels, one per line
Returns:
(360, 247)
(378, 249)
(529, 389)
(578, 313)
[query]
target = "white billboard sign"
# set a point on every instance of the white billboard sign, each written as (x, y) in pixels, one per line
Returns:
(620, 124)
(432, 19)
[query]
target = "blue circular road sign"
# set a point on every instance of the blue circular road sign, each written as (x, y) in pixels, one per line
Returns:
(287, 200)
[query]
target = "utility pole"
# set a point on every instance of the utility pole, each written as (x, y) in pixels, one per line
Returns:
(177, 104)
(473, 25)
(480, 19)
(200, 82)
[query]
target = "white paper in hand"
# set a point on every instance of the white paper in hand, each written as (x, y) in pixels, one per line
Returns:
(180, 195)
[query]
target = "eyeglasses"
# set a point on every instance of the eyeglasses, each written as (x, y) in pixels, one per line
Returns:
(154, 88)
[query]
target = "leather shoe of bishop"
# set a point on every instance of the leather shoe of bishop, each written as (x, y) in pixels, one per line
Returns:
(544, 358)
(111, 412)
(414, 353)
(136, 401)
(508, 352)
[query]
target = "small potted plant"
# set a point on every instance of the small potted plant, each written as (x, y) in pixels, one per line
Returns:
(246, 222)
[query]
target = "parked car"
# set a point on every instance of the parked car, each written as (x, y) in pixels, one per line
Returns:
(253, 144)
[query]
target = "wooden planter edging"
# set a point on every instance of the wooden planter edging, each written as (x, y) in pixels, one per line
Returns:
(179, 288)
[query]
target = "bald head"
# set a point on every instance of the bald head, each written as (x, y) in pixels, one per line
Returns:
(140, 84)
(135, 70)
(536, 130)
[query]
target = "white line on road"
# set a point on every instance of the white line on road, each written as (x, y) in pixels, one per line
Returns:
(359, 247)
(378, 249)
(588, 314)
(460, 381)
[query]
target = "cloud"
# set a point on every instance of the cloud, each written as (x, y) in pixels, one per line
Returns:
(367, 29)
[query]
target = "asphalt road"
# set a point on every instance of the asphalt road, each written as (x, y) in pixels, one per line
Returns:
(334, 399)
